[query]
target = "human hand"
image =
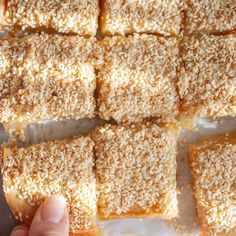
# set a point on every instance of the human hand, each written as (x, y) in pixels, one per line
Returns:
(51, 219)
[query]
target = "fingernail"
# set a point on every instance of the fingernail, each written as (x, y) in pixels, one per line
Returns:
(53, 209)
(19, 231)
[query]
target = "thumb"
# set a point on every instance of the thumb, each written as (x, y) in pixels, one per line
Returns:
(51, 218)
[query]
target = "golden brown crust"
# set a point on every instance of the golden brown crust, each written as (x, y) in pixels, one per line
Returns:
(136, 216)
(230, 233)
(102, 20)
(213, 167)
(19, 207)
(94, 232)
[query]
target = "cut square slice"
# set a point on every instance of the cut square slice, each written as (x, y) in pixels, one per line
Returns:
(65, 167)
(46, 77)
(209, 16)
(54, 16)
(207, 83)
(136, 171)
(213, 162)
(138, 78)
(154, 16)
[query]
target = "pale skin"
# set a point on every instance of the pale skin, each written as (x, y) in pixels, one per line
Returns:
(51, 219)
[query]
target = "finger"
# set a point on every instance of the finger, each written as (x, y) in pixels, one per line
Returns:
(20, 231)
(51, 218)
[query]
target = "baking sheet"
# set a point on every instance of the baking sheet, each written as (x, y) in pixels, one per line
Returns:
(185, 225)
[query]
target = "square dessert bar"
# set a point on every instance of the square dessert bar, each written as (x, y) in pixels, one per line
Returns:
(218, 16)
(46, 77)
(141, 16)
(213, 162)
(207, 83)
(57, 16)
(65, 167)
(136, 171)
(138, 78)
